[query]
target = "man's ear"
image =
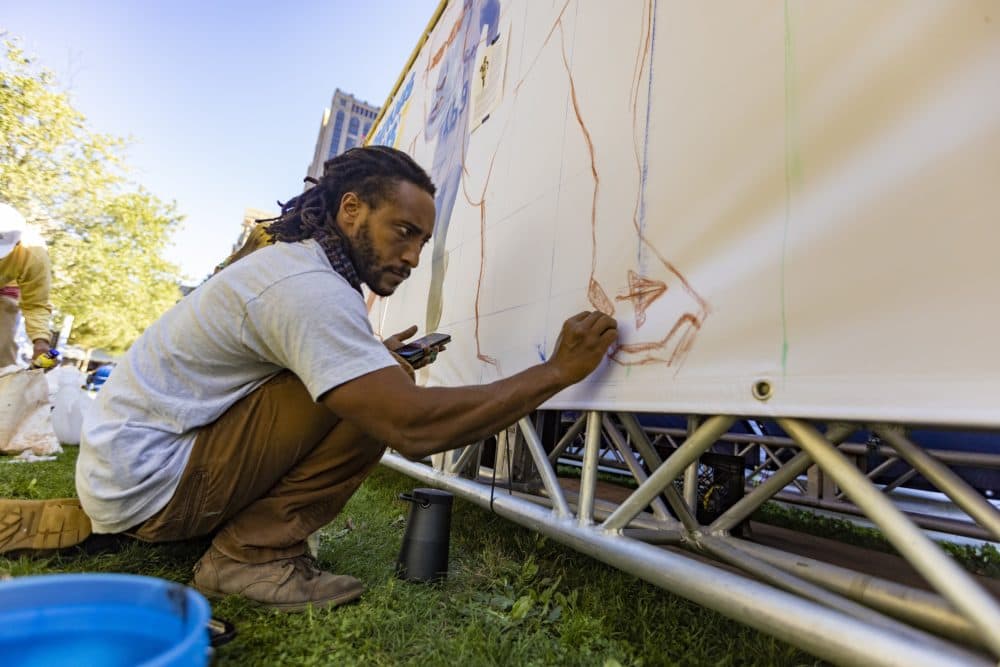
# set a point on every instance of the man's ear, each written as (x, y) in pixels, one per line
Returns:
(350, 211)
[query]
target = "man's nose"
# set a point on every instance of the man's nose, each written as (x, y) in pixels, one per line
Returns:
(411, 255)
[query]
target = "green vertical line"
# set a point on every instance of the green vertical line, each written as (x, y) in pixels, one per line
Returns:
(793, 175)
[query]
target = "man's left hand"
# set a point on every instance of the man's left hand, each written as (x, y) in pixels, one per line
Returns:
(396, 341)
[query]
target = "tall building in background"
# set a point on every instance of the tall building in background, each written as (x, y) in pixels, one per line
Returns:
(345, 125)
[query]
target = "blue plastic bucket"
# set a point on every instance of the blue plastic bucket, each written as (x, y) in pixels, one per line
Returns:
(101, 619)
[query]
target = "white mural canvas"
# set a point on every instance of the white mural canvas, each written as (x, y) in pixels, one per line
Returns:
(790, 208)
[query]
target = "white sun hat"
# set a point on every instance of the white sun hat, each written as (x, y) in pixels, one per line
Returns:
(12, 226)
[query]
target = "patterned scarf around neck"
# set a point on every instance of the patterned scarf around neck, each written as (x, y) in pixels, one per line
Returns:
(335, 245)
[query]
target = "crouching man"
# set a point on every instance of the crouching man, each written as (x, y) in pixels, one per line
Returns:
(254, 408)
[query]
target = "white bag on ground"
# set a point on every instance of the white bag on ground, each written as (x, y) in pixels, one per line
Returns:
(63, 375)
(69, 404)
(24, 413)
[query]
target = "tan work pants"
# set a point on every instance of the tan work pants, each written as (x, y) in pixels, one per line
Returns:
(9, 314)
(272, 470)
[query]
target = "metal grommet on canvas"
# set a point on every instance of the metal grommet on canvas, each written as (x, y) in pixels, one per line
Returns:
(762, 390)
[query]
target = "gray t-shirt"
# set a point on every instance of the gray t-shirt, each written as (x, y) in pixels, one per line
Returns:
(281, 307)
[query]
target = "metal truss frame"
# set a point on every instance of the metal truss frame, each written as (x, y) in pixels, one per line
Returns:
(830, 611)
(819, 490)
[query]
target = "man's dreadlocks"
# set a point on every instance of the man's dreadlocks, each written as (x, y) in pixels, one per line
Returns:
(372, 173)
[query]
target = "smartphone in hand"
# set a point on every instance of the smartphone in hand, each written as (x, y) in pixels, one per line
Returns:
(415, 350)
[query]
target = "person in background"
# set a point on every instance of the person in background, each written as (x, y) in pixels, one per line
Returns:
(25, 280)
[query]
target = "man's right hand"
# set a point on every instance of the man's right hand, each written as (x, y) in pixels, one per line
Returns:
(582, 344)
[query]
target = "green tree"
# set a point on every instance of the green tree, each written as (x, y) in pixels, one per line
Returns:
(106, 235)
(111, 275)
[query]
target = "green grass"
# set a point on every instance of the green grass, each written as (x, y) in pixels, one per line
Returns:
(512, 597)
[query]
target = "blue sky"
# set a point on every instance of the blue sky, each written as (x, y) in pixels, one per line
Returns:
(223, 100)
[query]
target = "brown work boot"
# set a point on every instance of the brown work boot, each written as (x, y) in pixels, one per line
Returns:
(289, 584)
(41, 525)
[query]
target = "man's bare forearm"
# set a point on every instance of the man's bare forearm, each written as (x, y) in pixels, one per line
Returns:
(418, 421)
(452, 417)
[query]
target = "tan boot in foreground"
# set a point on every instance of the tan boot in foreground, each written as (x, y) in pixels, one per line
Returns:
(41, 525)
(290, 584)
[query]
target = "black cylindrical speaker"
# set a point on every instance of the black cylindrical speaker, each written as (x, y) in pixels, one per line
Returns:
(424, 554)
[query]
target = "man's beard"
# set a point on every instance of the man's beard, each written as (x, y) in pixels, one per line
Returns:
(367, 262)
